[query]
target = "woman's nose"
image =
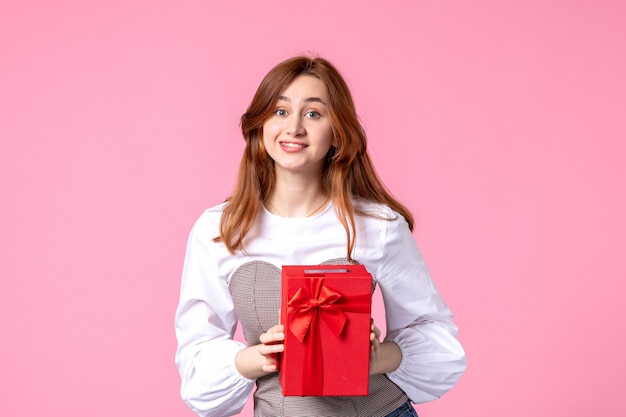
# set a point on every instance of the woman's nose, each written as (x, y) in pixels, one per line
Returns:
(295, 127)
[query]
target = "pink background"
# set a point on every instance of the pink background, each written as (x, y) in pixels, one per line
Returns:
(500, 124)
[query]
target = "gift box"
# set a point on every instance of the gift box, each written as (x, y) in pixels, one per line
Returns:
(326, 311)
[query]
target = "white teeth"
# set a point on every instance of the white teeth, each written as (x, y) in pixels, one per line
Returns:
(292, 145)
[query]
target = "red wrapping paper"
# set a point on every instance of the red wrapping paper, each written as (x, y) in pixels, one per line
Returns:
(326, 311)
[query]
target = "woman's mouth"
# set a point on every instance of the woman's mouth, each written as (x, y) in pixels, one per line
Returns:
(293, 145)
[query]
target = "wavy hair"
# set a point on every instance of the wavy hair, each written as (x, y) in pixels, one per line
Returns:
(348, 172)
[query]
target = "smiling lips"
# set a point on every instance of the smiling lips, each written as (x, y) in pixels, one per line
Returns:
(292, 146)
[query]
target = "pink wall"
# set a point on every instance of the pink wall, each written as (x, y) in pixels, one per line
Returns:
(501, 124)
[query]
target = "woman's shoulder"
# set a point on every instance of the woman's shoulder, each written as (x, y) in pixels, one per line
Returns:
(380, 215)
(209, 220)
(371, 208)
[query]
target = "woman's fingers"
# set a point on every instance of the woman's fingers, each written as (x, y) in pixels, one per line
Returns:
(270, 365)
(270, 349)
(374, 332)
(271, 345)
(273, 335)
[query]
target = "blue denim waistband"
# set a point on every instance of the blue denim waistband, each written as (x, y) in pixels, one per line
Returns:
(405, 410)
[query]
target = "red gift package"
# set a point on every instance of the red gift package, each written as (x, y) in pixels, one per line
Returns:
(326, 311)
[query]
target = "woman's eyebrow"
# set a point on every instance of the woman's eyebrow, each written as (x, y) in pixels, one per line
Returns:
(306, 100)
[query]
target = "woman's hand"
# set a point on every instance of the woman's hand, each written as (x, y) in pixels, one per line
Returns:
(384, 357)
(374, 346)
(259, 360)
(271, 345)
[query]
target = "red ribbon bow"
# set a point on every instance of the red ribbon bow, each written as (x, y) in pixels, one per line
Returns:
(304, 307)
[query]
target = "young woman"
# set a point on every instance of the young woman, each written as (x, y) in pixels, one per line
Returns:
(306, 194)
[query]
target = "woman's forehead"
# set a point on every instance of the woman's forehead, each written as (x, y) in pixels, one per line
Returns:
(305, 88)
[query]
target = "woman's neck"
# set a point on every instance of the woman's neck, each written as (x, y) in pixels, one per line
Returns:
(297, 197)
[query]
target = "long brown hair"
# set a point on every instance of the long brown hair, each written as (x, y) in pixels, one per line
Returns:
(348, 172)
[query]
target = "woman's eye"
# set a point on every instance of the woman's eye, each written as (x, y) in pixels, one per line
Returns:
(312, 114)
(280, 112)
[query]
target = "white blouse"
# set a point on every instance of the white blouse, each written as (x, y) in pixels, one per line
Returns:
(417, 319)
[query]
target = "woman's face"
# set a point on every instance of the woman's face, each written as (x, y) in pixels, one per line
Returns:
(298, 134)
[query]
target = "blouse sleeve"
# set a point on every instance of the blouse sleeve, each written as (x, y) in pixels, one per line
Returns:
(418, 320)
(205, 323)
